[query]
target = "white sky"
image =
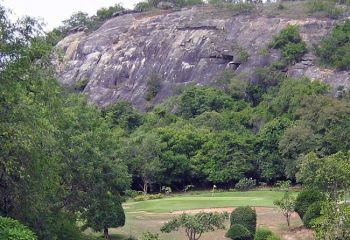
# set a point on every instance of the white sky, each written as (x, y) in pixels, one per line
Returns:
(55, 11)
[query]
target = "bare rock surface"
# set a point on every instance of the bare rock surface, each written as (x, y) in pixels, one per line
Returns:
(194, 45)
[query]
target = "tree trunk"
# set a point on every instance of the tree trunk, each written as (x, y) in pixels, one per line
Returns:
(145, 187)
(105, 233)
(288, 220)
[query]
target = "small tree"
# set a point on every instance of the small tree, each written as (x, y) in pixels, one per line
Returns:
(105, 213)
(286, 205)
(196, 225)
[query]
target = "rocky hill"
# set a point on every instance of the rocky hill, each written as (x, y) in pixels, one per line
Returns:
(192, 46)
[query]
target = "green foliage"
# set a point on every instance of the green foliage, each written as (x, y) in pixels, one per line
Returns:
(245, 216)
(334, 49)
(11, 229)
(145, 197)
(106, 212)
(225, 157)
(242, 53)
(196, 225)
(329, 174)
(143, 6)
(286, 206)
(124, 115)
(312, 213)
(328, 8)
(245, 184)
(238, 7)
(334, 222)
(238, 232)
(150, 236)
(105, 13)
(307, 198)
(153, 87)
(197, 100)
(263, 234)
(290, 43)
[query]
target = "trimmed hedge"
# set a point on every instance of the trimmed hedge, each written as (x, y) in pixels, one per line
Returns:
(313, 212)
(305, 199)
(13, 229)
(238, 232)
(245, 216)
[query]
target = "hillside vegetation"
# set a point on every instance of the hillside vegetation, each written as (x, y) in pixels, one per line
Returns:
(67, 166)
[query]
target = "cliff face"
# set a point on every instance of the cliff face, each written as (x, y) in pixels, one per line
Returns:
(189, 46)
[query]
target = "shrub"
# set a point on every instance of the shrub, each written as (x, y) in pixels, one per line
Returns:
(313, 212)
(153, 87)
(245, 184)
(334, 49)
(273, 237)
(245, 216)
(150, 236)
(132, 193)
(143, 6)
(145, 197)
(13, 229)
(263, 234)
(305, 199)
(238, 232)
(290, 43)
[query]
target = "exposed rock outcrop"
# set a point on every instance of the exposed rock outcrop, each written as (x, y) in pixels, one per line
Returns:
(189, 46)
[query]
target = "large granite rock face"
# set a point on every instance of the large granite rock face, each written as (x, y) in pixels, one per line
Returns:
(189, 46)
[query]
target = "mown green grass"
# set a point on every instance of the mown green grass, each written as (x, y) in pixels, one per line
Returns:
(200, 200)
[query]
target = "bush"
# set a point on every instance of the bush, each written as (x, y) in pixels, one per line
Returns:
(313, 212)
(13, 229)
(305, 199)
(143, 6)
(132, 193)
(273, 237)
(245, 216)
(150, 236)
(334, 49)
(153, 87)
(290, 43)
(238, 232)
(145, 197)
(245, 184)
(263, 234)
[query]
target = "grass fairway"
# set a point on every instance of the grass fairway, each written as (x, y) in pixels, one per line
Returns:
(152, 214)
(201, 200)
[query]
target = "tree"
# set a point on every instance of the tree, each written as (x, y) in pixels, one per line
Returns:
(269, 158)
(225, 157)
(287, 205)
(196, 225)
(145, 157)
(334, 222)
(295, 141)
(197, 100)
(106, 212)
(330, 174)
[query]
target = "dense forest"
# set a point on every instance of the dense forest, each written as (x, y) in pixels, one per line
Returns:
(67, 165)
